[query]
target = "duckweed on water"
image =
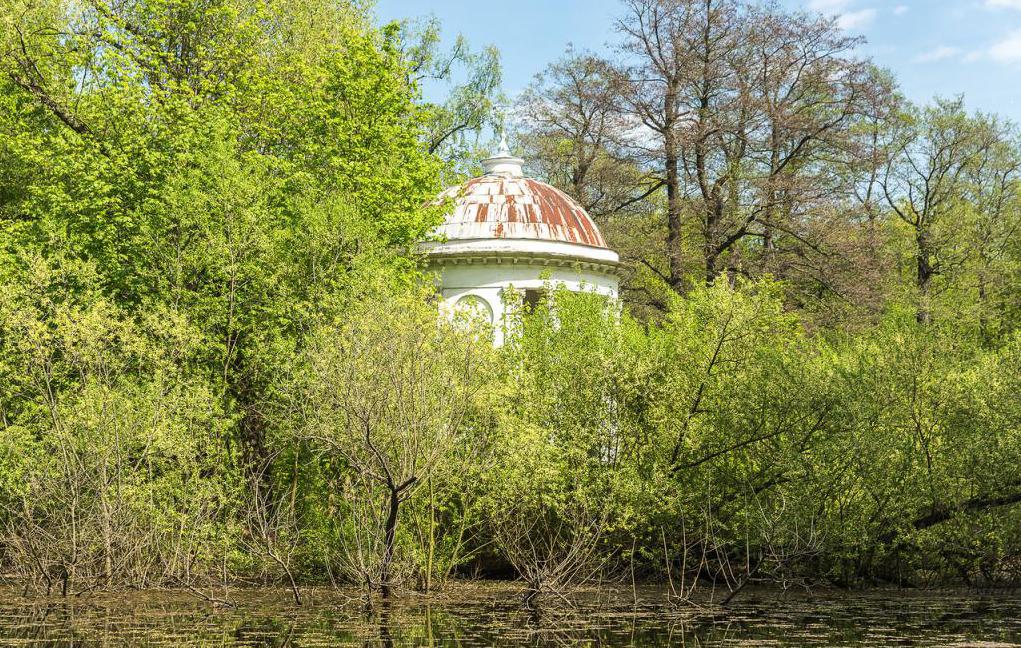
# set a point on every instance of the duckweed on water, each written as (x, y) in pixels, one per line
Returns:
(490, 615)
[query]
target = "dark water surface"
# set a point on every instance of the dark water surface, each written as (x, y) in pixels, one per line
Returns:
(490, 615)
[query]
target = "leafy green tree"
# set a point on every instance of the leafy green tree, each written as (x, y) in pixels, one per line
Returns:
(453, 125)
(934, 150)
(387, 392)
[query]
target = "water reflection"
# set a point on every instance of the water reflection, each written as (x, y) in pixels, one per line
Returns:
(489, 615)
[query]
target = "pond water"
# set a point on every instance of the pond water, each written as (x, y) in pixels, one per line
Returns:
(491, 615)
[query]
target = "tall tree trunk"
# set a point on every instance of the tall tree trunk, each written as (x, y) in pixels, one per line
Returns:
(983, 301)
(712, 249)
(673, 193)
(772, 201)
(248, 393)
(925, 273)
(390, 535)
(711, 269)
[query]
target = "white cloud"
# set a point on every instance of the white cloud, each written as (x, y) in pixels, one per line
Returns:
(900, 10)
(940, 53)
(1004, 4)
(1007, 50)
(856, 19)
(828, 6)
(842, 11)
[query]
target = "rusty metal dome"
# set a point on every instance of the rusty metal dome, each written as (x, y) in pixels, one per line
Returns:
(507, 206)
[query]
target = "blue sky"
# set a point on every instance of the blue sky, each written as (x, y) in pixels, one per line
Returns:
(935, 47)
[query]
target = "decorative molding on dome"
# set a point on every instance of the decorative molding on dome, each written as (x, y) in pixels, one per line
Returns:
(484, 245)
(523, 252)
(615, 269)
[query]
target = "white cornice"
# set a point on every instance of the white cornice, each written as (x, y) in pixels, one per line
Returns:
(523, 248)
(510, 258)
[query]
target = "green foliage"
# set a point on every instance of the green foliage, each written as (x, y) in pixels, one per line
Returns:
(218, 358)
(473, 78)
(387, 392)
(115, 455)
(199, 183)
(726, 441)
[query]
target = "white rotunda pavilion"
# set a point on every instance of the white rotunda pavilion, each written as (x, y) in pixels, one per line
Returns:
(512, 235)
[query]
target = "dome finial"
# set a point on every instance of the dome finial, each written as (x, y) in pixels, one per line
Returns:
(504, 147)
(503, 163)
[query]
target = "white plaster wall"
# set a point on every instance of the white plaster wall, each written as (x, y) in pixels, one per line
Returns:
(489, 281)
